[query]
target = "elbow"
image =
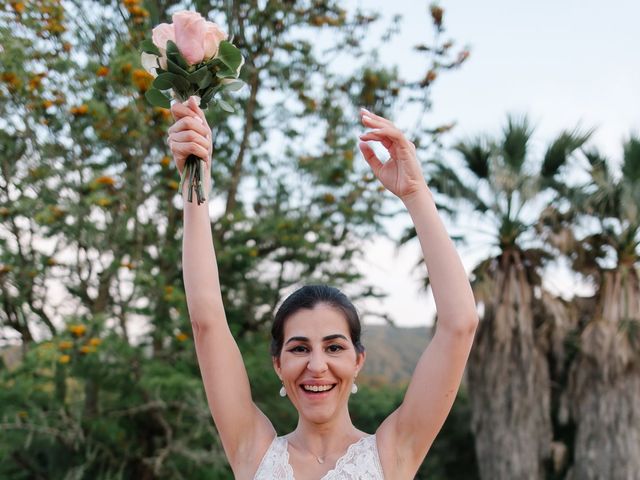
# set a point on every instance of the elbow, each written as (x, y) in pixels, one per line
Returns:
(462, 324)
(474, 321)
(205, 312)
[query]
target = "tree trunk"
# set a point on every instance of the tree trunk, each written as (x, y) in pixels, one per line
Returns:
(604, 384)
(508, 375)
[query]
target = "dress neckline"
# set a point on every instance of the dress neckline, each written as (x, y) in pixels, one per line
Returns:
(340, 460)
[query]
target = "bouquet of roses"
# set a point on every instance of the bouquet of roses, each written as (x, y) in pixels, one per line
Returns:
(190, 57)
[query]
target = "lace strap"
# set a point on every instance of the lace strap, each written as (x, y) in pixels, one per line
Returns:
(275, 462)
(361, 460)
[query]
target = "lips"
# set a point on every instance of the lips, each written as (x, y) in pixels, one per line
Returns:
(308, 388)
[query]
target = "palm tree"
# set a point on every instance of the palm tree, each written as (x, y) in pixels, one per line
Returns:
(604, 378)
(508, 372)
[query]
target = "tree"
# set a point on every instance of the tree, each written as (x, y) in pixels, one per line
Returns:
(90, 223)
(508, 373)
(600, 235)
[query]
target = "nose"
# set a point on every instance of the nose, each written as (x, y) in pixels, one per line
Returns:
(317, 363)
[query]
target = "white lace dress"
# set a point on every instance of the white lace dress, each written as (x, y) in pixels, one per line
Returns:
(360, 462)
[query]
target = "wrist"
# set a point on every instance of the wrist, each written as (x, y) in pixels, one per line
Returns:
(420, 196)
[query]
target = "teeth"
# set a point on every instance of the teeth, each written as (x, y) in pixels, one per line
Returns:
(317, 388)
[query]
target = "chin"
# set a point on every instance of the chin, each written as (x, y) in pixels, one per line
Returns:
(319, 414)
(318, 418)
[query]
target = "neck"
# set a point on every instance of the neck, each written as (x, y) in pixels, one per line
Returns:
(325, 439)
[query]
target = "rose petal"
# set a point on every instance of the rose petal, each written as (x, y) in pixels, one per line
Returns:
(189, 29)
(213, 35)
(149, 63)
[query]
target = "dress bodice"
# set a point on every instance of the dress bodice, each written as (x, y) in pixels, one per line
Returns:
(360, 462)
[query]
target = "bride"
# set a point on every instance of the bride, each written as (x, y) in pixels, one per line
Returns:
(316, 349)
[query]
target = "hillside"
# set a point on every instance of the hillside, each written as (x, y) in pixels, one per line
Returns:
(392, 352)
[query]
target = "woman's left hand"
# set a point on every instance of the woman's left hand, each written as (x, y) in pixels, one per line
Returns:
(401, 174)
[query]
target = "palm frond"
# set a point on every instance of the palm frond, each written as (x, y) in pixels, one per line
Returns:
(408, 235)
(561, 149)
(631, 160)
(516, 136)
(447, 182)
(476, 153)
(596, 160)
(602, 196)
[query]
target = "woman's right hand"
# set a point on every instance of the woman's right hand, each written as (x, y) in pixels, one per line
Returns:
(190, 134)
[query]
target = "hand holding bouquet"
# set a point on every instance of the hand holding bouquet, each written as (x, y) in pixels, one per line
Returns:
(190, 135)
(191, 57)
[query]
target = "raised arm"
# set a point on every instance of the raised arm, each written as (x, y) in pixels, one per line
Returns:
(245, 432)
(406, 435)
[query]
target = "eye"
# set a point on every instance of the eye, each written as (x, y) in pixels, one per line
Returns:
(335, 348)
(299, 349)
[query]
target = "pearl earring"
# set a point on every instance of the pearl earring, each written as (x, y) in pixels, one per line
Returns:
(354, 388)
(283, 391)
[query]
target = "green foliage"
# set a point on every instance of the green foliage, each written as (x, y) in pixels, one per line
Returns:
(631, 160)
(452, 455)
(501, 182)
(515, 140)
(561, 148)
(90, 223)
(105, 412)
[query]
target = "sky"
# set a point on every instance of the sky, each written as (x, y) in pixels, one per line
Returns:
(564, 63)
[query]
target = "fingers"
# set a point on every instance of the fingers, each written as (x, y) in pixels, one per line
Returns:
(370, 157)
(181, 150)
(180, 111)
(189, 136)
(376, 136)
(193, 105)
(387, 136)
(188, 108)
(364, 112)
(189, 123)
(384, 131)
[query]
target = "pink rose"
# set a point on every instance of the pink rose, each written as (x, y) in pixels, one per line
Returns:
(190, 29)
(160, 35)
(212, 38)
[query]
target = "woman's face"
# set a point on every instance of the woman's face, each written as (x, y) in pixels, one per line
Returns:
(318, 362)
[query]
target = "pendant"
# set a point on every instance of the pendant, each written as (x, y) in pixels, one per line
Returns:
(320, 461)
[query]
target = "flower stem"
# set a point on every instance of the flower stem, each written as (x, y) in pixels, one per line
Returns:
(194, 173)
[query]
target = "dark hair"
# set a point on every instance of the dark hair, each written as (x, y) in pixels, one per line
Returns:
(308, 297)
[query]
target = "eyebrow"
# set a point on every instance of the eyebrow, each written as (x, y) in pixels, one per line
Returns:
(324, 339)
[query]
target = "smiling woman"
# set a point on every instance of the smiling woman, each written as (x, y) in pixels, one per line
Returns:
(319, 362)
(315, 347)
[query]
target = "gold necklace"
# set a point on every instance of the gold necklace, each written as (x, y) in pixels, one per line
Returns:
(319, 459)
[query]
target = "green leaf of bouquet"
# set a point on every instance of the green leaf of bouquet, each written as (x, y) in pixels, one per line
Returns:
(168, 80)
(149, 47)
(208, 94)
(202, 77)
(174, 54)
(162, 82)
(229, 54)
(234, 86)
(225, 106)
(157, 98)
(206, 80)
(174, 68)
(226, 73)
